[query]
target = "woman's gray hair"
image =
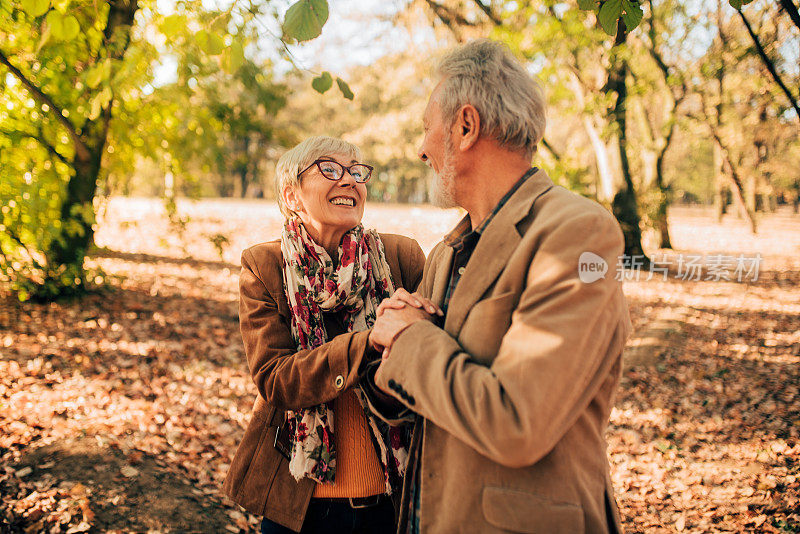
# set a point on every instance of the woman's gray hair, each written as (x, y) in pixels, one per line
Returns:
(304, 154)
(509, 101)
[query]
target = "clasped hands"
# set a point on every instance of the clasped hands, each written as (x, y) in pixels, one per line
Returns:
(397, 313)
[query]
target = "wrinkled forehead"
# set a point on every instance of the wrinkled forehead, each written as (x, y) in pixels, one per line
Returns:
(433, 109)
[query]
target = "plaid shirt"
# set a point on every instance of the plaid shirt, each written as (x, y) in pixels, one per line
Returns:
(463, 242)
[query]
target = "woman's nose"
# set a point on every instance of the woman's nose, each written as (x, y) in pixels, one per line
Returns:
(347, 180)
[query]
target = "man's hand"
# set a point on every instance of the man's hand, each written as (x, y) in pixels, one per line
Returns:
(403, 298)
(391, 322)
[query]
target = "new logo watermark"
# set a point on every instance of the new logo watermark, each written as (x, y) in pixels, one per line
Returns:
(687, 267)
(591, 267)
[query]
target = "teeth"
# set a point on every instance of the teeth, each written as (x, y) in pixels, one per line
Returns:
(343, 201)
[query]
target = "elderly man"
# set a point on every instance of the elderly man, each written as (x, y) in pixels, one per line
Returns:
(513, 388)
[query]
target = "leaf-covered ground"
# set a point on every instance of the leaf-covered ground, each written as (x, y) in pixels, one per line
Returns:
(121, 412)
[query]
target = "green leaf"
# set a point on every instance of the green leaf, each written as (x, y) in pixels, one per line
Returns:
(215, 44)
(633, 14)
(94, 76)
(736, 4)
(322, 83)
(234, 56)
(71, 28)
(305, 19)
(172, 24)
(99, 101)
(210, 43)
(43, 40)
(62, 27)
(587, 5)
(35, 8)
(345, 89)
(609, 14)
(55, 23)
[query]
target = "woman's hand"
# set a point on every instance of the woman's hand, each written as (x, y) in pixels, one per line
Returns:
(403, 298)
(391, 323)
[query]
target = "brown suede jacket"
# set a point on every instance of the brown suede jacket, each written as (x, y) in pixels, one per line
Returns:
(288, 379)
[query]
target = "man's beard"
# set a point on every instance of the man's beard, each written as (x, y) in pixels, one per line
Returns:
(443, 191)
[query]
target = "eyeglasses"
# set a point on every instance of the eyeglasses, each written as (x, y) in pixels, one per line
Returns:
(333, 170)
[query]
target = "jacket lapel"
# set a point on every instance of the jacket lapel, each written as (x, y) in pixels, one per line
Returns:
(495, 246)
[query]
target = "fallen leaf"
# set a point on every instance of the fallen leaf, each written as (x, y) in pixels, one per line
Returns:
(129, 471)
(88, 515)
(25, 471)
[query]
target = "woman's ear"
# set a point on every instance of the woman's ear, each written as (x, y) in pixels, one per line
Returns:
(468, 124)
(291, 199)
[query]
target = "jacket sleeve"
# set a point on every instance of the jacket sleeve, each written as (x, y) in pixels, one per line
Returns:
(412, 261)
(564, 337)
(285, 377)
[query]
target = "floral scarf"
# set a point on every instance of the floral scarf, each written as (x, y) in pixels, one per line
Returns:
(356, 286)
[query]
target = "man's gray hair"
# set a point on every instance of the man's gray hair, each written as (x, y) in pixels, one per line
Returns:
(509, 101)
(304, 154)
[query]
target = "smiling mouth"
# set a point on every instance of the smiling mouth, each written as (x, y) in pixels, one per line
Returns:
(343, 201)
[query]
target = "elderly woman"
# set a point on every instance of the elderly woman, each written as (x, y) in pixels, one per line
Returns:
(313, 457)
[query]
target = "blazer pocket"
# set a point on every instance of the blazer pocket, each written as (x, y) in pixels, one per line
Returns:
(485, 326)
(519, 511)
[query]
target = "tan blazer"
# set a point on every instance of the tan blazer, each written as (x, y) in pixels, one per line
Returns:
(287, 379)
(517, 388)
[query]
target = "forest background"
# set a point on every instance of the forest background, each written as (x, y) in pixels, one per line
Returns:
(138, 140)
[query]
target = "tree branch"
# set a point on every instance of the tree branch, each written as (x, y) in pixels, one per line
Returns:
(13, 235)
(769, 64)
(549, 147)
(791, 10)
(487, 9)
(666, 70)
(42, 141)
(735, 179)
(81, 150)
(449, 18)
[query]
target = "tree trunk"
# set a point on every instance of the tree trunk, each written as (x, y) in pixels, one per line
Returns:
(720, 193)
(750, 192)
(77, 210)
(736, 184)
(664, 198)
(605, 190)
(244, 167)
(77, 215)
(624, 206)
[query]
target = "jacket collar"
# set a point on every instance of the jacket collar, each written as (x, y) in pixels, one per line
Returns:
(498, 241)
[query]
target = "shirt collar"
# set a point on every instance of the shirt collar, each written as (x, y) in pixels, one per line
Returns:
(462, 230)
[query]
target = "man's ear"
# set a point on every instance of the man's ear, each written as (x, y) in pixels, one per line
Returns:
(468, 124)
(291, 199)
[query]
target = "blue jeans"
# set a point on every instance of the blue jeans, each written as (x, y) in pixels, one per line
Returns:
(338, 518)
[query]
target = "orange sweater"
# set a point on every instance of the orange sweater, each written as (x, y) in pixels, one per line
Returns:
(358, 469)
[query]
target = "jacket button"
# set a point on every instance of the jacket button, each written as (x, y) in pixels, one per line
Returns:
(339, 382)
(411, 400)
(392, 384)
